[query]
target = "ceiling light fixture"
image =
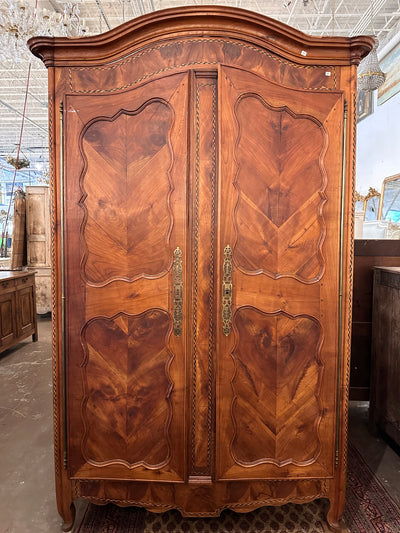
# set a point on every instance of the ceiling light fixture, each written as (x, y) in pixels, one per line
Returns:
(19, 21)
(369, 75)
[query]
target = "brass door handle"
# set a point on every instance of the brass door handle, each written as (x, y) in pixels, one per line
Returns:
(227, 291)
(178, 292)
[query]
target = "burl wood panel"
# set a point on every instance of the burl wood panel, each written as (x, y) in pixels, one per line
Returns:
(126, 417)
(276, 408)
(198, 52)
(280, 183)
(128, 157)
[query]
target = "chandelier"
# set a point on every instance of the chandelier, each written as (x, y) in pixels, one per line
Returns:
(19, 21)
(370, 75)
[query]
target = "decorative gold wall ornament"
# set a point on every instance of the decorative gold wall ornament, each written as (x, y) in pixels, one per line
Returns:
(178, 292)
(372, 193)
(358, 197)
(227, 291)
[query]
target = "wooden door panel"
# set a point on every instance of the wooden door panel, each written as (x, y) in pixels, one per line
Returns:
(8, 319)
(126, 214)
(25, 297)
(280, 185)
(123, 409)
(125, 185)
(275, 408)
(280, 192)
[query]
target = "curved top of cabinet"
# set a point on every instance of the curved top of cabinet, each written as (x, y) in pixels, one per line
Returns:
(201, 21)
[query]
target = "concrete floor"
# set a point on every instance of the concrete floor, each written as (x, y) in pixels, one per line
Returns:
(27, 497)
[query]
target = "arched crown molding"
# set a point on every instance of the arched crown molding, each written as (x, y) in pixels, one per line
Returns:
(201, 21)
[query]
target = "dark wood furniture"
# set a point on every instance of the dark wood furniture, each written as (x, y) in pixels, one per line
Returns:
(203, 162)
(384, 412)
(17, 307)
(367, 254)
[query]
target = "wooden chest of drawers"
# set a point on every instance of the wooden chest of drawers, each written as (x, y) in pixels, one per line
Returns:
(17, 308)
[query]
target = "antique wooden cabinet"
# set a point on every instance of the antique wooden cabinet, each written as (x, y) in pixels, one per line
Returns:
(202, 180)
(384, 408)
(17, 307)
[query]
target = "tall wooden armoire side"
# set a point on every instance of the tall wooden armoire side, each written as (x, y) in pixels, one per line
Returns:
(202, 180)
(38, 243)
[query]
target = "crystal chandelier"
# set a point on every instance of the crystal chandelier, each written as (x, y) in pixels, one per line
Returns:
(19, 21)
(370, 75)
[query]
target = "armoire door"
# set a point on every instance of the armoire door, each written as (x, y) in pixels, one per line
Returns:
(179, 268)
(279, 244)
(125, 243)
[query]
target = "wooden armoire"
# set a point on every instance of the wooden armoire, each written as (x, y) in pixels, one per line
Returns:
(203, 161)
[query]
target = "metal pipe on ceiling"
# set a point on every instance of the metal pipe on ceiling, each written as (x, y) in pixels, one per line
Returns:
(20, 114)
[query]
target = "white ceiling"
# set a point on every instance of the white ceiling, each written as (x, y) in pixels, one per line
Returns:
(317, 17)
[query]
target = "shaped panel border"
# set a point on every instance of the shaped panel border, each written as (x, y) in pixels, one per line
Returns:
(110, 462)
(321, 191)
(84, 195)
(266, 460)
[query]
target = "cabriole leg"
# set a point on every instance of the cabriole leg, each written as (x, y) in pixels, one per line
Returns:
(334, 518)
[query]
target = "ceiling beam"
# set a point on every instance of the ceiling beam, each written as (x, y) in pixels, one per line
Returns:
(366, 20)
(101, 10)
(21, 115)
(291, 12)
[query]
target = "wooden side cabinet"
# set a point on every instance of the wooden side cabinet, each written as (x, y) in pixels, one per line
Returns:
(385, 367)
(368, 254)
(17, 308)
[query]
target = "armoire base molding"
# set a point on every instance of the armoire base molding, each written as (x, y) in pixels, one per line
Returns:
(217, 497)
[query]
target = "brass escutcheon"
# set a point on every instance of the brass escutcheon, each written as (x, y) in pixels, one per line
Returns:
(227, 291)
(178, 292)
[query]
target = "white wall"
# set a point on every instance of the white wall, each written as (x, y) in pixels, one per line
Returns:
(378, 145)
